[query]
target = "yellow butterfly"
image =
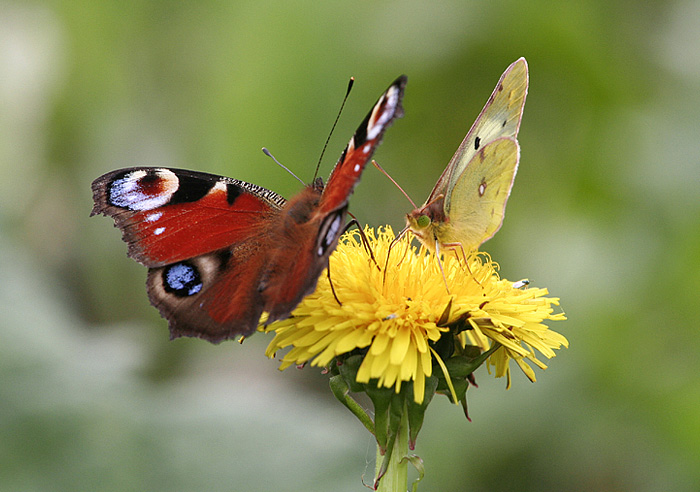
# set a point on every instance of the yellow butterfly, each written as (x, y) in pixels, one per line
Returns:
(468, 202)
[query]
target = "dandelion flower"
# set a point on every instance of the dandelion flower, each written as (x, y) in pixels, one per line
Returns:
(395, 312)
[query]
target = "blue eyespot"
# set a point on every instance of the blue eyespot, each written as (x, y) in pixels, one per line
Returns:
(182, 279)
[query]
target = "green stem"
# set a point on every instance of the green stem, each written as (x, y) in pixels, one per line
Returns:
(395, 479)
(341, 391)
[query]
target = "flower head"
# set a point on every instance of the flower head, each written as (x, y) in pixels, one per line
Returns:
(395, 312)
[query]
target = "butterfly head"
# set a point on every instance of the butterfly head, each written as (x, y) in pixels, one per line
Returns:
(422, 224)
(419, 223)
(318, 185)
(425, 221)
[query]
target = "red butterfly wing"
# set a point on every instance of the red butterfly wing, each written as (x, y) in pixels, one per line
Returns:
(213, 296)
(202, 237)
(221, 251)
(302, 251)
(362, 145)
(170, 215)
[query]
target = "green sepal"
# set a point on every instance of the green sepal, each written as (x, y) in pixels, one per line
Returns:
(463, 402)
(396, 410)
(462, 366)
(348, 369)
(445, 316)
(471, 351)
(381, 399)
(416, 411)
(460, 386)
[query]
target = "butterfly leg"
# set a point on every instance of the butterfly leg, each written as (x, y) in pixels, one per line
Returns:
(398, 237)
(330, 281)
(365, 243)
(363, 237)
(454, 247)
(442, 270)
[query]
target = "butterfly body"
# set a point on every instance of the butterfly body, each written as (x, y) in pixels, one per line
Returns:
(220, 251)
(467, 204)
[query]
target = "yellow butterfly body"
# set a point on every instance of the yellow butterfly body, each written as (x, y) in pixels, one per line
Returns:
(467, 204)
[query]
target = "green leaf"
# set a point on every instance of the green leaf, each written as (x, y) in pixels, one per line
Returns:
(417, 463)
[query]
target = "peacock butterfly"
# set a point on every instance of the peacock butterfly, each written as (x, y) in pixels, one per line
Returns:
(220, 251)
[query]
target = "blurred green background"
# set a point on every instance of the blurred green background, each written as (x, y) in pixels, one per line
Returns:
(605, 212)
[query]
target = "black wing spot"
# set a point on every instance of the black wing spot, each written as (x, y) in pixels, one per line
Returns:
(182, 279)
(151, 178)
(232, 193)
(190, 189)
(360, 136)
(504, 123)
(223, 256)
(477, 143)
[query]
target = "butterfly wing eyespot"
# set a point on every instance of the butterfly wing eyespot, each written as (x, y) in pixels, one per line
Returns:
(182, 279)
(143, 189)
(213, 296)
(186, 227)
(170, 215)
(474, 202)
(221, 251)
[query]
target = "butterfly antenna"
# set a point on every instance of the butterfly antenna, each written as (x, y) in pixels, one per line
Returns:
(381, 169)
(267, 153)
(347, 93)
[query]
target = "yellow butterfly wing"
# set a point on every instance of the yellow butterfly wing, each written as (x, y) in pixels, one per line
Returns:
(500, 117)
(444, 216)
(479, 196)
